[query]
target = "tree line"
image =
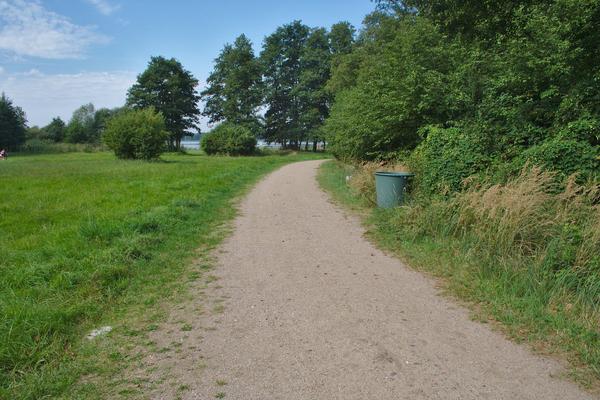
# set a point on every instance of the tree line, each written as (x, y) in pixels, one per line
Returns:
(457, 89)
(279, 95)
(165, 86)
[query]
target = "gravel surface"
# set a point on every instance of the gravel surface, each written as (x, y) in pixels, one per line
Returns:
(312, 310)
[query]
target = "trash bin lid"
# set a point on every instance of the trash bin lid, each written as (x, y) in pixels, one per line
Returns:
(398, 174)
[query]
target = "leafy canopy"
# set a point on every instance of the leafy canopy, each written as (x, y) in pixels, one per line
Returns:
(234, 88)
(12, 124)
(171, 90)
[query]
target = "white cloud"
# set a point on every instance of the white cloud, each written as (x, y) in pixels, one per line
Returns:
(44, 96)
(28, 29)
(104, 7)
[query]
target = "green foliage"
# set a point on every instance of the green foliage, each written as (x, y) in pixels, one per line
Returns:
(313, 98)
(446, 157)
(45, 146)
(171, 90)
(234, 88)
(86, 125)
(519, 77)
(567, 156)
(136, 134)
(12, 124)
(55, 130)
(281, 59)
(81, 127)
(341, 38)
(229, 139)
(404, 83)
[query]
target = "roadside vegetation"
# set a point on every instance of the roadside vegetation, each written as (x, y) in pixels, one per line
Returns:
(494, 107)
(523, 255)
(85, 237)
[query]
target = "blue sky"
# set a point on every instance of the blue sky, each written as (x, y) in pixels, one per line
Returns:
(56, 55)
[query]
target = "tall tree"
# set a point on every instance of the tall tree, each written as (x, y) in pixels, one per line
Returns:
(81, 126)
(341, 38)
(12, 124)
(171, 90)
(55, 130)
(281, 58)
(234, 86)
(313, 98)
(101, 118)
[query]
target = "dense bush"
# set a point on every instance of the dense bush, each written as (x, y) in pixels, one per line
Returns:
(136, 134)
(230, 139)
(567, 156)
(403, 83)
(519, 79)
(446, 157)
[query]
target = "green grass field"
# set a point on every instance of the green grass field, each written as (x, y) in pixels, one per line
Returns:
(84, 238)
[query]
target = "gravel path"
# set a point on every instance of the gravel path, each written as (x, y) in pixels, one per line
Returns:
(314, 311)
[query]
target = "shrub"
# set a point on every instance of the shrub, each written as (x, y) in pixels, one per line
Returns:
(230, 139)
(136, 134)
(446, 157)
(564, 155)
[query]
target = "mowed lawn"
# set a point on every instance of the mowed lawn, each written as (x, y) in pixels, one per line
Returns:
(84, 233)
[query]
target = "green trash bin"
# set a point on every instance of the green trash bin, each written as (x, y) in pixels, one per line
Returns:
(391, 187)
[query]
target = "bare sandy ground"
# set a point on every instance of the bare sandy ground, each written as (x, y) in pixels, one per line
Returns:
(314, 311)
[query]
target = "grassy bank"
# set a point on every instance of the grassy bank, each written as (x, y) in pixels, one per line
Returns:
(86, 238)
(524, 255)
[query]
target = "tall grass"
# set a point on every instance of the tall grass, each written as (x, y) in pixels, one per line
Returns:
(526, 251)
(526, 227)
(38, 146)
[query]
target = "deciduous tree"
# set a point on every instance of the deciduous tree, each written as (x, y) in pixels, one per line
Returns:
(55, 130)
(81, 127)
(281, 59)
(234, 92)
(12, 124)
(171, 90)
(313, 98)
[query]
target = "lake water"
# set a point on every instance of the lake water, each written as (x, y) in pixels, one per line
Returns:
(195, 144)
(190, 144)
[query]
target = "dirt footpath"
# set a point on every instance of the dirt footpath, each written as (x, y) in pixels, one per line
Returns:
(314, 311)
